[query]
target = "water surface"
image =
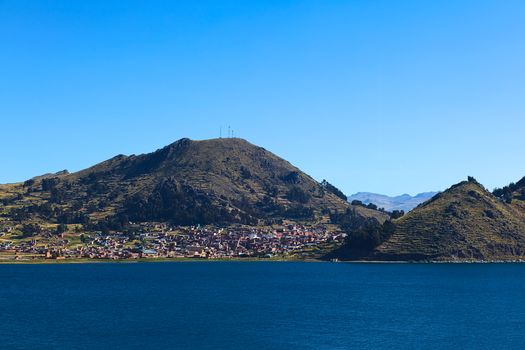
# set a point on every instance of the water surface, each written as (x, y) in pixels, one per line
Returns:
(257, 305)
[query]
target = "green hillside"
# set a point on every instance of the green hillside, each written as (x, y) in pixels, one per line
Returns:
(465, 222)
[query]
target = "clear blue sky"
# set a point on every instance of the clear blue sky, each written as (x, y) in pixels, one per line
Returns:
(383, 96)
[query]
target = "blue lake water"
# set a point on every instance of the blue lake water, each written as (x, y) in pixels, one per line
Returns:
(245, 305)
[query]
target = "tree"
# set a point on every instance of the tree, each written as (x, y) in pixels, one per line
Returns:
(296, 194)
(334, 190)
(177, 202)
(29, 183)
(292, 177)
(364, 238)
(396, 214)
(30, 230)
(49, 184)
(372, 206)
(57, 195)
(245, 173)
(299, 212)
(506, 193)
(61, 228)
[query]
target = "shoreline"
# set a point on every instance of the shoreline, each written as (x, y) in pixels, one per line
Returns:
(241, 260)
(144, 261)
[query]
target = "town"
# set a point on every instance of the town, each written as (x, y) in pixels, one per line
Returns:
(160, 240)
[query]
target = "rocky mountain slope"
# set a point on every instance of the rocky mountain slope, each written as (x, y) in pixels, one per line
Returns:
(465, 222)
(217, 181)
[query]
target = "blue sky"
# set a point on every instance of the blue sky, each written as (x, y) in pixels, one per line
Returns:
(382, 96)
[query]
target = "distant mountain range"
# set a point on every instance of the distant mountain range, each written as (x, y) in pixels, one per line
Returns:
(464, 222)
(404, 202)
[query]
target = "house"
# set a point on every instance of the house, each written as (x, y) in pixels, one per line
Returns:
(196, 252)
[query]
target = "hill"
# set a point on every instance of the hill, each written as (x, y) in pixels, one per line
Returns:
(465, 222)
(403, 202)
(218, 181)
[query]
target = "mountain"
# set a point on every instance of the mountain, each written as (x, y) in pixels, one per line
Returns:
(404, 202)
(230, 181)
(465, 222)
(218, 181)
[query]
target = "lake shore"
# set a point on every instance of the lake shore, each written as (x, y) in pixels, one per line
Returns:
(13, 261)
(146, 260)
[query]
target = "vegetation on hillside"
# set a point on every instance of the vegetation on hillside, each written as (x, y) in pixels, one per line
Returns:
(511, 191)
(363, 235)
(464, 222)
(220, 181)
(332, 189)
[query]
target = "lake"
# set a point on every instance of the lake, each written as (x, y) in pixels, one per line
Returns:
(262, 305)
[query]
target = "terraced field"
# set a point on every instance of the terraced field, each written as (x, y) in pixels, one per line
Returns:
(464, 222)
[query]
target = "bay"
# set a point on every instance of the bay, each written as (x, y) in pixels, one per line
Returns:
(262, 305)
